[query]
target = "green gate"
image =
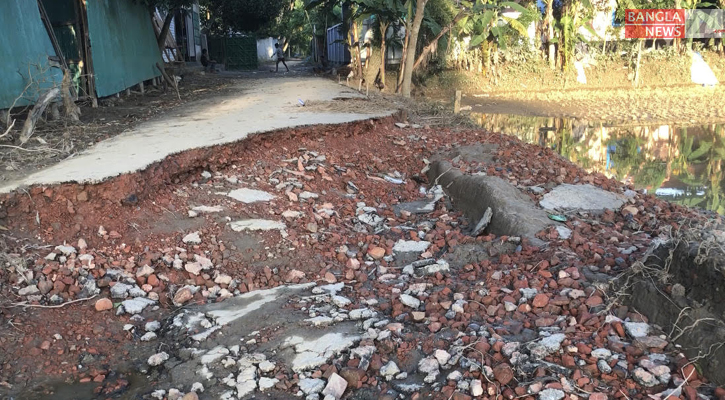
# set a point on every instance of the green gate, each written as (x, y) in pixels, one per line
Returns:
(238, 52)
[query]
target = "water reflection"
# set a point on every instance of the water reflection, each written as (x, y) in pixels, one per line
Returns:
(683, 164)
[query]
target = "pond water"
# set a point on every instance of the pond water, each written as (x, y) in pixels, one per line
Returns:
(682, 163)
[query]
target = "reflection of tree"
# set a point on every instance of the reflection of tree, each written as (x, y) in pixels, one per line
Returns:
(651, 174)
(706, 150)
(647, 156)
(626, 157)
(629, 161)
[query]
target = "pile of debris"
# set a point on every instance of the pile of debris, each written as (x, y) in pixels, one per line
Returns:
(362, 279)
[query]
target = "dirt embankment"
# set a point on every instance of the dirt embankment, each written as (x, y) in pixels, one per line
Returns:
(683, 105)
(679, 286)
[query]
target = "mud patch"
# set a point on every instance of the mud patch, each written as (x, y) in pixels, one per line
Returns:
(130, 385)
(474, 253)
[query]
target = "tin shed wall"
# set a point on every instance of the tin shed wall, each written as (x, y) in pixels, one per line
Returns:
(25, 47)
(123, 45)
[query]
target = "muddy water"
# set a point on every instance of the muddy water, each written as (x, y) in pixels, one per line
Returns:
(134, 386)
(682, 163)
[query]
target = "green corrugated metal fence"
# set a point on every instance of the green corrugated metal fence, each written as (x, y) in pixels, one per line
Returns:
(25, 47)
(234, 52)
(123, 45)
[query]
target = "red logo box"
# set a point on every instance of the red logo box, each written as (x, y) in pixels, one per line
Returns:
(654, 24)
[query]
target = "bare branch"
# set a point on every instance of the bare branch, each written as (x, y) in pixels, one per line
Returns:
(36, 112)
(7, 131)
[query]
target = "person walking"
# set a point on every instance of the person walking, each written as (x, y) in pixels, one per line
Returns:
(280, 57)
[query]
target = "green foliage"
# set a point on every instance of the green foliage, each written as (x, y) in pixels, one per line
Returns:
(702, 150)
(232, 16)
(651, 174)
(166, 5)
(438, 13)
(623, 5)
(486, 23)
(293, 25)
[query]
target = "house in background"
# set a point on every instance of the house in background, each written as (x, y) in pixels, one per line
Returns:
(339, 53)
(337, 50)
(90, 38)
(393, 39)
(185, 40)
(265, 48)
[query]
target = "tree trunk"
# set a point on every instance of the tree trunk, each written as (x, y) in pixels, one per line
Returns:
(639, 60)
(677, 42)
(356, 44)
(412, 45)
(161, 39)
(372, 67)
(550, 32)
(72, 111)
(401, 70)
(486, 53)
(368, 58)
(383, 33)
(427, 49)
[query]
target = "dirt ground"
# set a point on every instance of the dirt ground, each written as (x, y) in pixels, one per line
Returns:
(665, 93)
(685, 104)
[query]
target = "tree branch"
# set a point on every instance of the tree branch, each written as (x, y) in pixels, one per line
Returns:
(7, 131)
(427, 49)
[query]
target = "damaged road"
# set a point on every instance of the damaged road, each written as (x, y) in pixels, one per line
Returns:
(322, 263)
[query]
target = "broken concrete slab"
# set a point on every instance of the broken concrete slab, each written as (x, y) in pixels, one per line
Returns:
(483, 223)
(136, 305)
(315, 352)
(256, 225)
(238, 307)
(207, 209)
(423, 206)
(581, 197)
(311, 385)
(192, 238)
(478, 152)
(514, 214)
(248, 196)
(333, 342)
(411, 246)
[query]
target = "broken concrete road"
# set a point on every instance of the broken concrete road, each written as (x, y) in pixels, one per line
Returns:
(261, 105)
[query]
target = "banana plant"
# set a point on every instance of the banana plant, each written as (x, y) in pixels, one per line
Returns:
(576, 14)
(486, 22)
